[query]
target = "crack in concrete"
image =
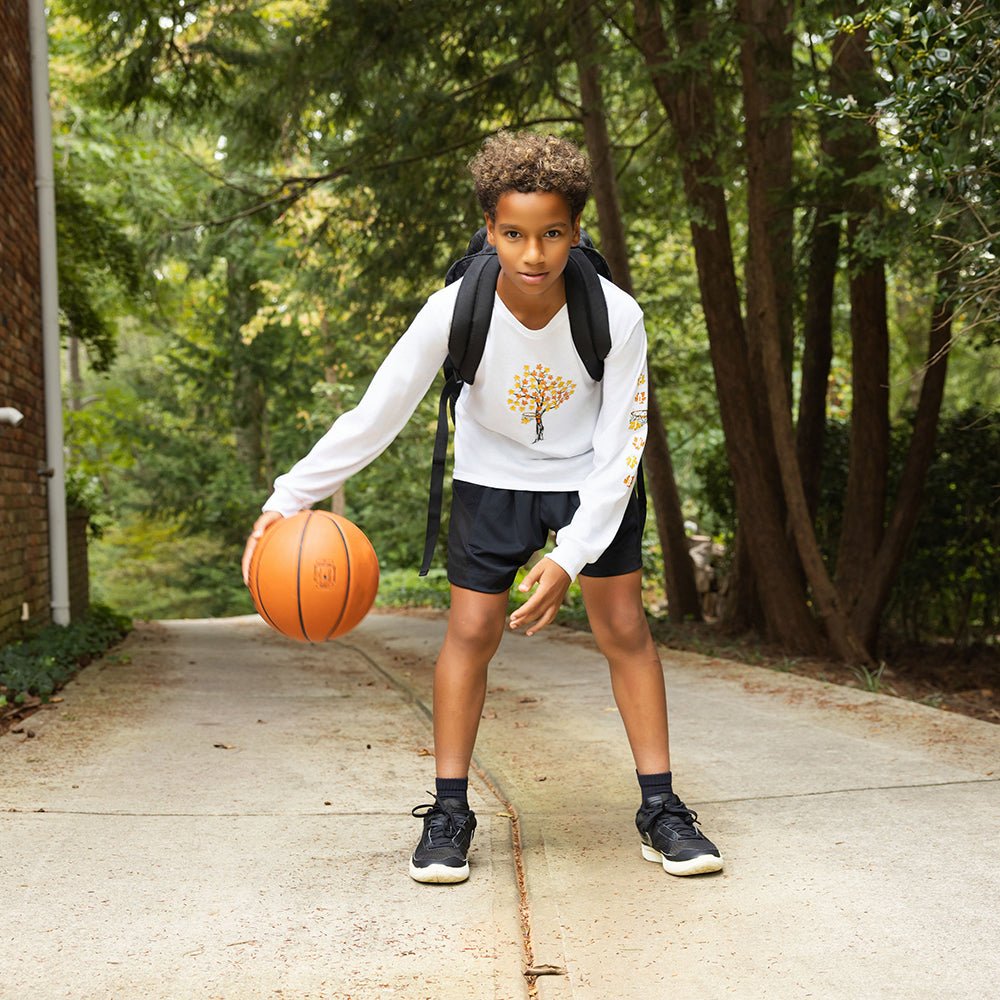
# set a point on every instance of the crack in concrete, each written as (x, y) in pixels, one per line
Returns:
(848, 791)
(531, 971)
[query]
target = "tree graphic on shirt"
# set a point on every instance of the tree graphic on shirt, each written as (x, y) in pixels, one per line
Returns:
(536, 391)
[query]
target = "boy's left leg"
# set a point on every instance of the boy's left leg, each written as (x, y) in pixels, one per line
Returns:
(618, 622)
(475, 626)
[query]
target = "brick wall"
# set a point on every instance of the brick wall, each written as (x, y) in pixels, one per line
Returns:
(24, 546)
(77, 521)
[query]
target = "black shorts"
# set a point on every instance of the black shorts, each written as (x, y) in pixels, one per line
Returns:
(493, 533)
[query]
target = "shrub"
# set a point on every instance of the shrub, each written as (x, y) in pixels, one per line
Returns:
(44, 662)
(948, 585)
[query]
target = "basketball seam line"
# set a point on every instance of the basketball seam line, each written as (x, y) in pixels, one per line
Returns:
(260, 596)
(298, 577)
(347, 589)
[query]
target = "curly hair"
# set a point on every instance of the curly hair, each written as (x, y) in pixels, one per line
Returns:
(527, 162)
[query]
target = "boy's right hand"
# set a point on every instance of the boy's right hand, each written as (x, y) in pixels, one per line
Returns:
(259, 527)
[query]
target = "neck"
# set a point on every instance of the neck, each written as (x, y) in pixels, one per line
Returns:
(534, 312)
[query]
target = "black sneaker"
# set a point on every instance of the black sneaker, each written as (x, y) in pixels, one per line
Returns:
(441, 854)
(667, 829)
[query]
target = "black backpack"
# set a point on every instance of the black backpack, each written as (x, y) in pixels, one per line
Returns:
(470, 323)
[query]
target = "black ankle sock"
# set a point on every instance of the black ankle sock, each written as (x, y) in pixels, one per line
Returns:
(655, 784)
(453, 788)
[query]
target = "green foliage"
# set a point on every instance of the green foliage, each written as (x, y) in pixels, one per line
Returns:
(937, 111)
(871, 680)
(151, 568)
(405, 588)
(43, 663)
(949, 583)
(98, 271)
(84, 493)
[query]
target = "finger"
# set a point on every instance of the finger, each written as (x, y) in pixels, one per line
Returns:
(247, 555)
(532, 610)
(522, 614)
(545, 619)
(531, 578)
(259, 527)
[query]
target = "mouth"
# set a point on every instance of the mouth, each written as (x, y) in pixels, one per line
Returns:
(533, 279)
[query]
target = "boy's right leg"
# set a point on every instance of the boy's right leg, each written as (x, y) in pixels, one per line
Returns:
(475, 627)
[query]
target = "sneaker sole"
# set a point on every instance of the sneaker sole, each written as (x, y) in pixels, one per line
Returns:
(439, 874)
(693, 866)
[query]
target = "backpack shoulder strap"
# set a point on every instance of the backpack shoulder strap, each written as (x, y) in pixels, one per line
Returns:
(449, 395)
(588, 312)
(470, 322)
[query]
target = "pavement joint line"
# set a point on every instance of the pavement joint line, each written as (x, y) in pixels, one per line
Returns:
(847, 791)
(174, 815)
(520, 876)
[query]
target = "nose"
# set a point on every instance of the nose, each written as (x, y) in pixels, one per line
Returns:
(534, 251)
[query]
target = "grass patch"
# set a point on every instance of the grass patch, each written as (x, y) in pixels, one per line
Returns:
(405, 588)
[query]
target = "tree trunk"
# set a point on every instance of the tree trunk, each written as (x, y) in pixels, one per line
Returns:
(75, 378)
(682, 591)
(764, 328)
(867, 612)
(688, 96)
(817, 351)
(855, 149)
(740, 608)
(767, 44)
(868, 468)
(766, 58)
(683, 601)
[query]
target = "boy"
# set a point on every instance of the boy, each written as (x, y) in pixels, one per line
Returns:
(539, 446)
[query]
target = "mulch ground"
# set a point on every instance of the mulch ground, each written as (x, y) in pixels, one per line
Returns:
(966, 681)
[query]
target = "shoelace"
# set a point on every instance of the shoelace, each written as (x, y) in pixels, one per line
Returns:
(679, 818)
(442, 826)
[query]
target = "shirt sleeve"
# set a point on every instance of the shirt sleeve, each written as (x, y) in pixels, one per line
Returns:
(619, 440)
(359, 436)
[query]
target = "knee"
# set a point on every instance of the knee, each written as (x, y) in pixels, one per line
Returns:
(475, 629)
(623, 631)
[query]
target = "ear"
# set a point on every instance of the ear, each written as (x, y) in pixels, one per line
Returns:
(576, 230)
(491, 233)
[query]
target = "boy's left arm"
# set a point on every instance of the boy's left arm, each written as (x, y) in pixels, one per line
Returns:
(619, 440)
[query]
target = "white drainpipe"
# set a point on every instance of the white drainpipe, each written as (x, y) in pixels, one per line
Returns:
(45, 186)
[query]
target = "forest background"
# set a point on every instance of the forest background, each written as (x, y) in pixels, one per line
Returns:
(254, 198)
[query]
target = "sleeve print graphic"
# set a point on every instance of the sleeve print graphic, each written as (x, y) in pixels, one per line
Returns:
(637, 418)
(636, 422)
(536, 391)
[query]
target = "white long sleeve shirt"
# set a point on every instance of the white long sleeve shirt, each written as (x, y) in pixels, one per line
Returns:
(533, 420)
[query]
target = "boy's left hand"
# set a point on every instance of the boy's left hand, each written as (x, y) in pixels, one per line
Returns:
(541, 608)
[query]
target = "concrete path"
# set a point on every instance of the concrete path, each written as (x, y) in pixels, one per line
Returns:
(216, 812)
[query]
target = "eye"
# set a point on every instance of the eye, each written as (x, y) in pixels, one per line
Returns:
(554, 234)
(512, 234)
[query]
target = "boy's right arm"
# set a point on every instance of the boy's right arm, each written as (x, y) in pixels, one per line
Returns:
(362, 434)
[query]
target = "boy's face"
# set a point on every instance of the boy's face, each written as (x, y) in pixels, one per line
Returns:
(533, 234)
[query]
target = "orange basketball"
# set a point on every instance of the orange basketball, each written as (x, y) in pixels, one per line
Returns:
(313, 576)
